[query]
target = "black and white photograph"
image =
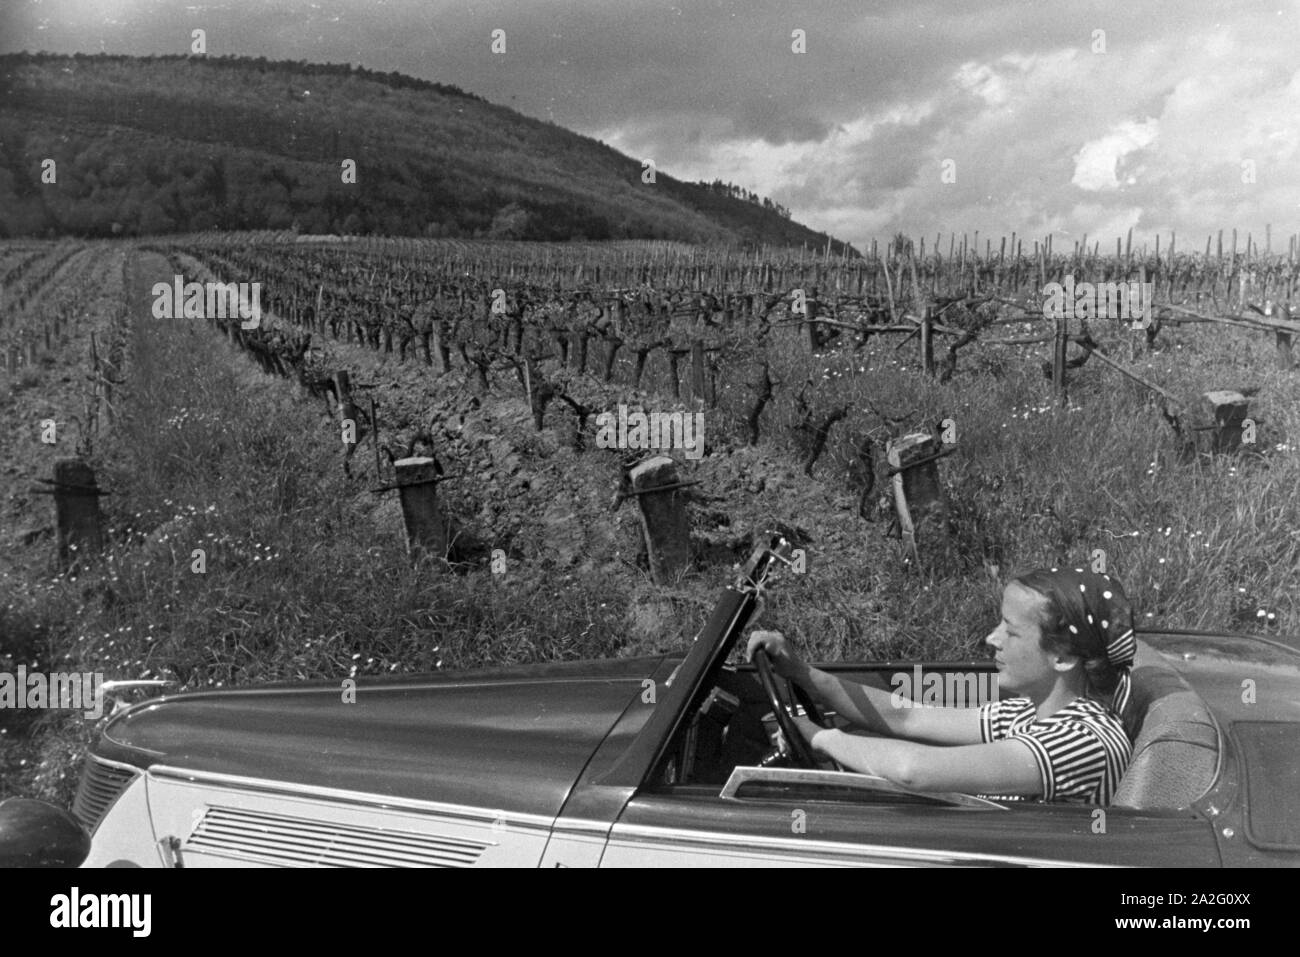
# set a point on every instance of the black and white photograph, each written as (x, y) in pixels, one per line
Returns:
(615, 433)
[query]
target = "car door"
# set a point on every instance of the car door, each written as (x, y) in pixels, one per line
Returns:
(794, 817)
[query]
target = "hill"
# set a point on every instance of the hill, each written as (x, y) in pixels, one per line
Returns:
(155, 145)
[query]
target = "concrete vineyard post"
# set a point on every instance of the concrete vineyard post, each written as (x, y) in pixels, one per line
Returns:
(918, 497)
(1226, 410)
(809, 330)
(663, 517)
(78, 520)
(417, 486)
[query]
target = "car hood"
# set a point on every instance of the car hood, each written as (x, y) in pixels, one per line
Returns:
(504, 739)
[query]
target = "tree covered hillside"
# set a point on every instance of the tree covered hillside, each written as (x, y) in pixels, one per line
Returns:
(178, 144)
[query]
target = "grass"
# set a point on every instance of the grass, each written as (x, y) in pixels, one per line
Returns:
(1208, 544)
(211, 455)
(304, 576)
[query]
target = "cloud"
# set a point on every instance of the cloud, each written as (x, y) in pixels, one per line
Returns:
(1097, 161)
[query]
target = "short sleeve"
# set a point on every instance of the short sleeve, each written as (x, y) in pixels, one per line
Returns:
(1081, 751)
(1071, 757)
(998, 717)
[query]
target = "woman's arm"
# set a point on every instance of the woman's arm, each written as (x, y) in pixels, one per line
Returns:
(876, 709)
(1001, 767)
(872, 709)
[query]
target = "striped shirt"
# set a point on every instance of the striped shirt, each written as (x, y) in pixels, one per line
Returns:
(1081, 750)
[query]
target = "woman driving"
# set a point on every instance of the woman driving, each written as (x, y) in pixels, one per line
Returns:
(1064, 648)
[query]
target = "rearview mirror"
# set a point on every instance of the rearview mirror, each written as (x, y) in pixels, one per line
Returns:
(36, 834)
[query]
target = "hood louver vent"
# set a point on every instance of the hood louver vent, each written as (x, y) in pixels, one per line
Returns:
(100, 786)
(303, 842)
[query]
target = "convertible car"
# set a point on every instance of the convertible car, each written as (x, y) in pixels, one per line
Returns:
(659, 761)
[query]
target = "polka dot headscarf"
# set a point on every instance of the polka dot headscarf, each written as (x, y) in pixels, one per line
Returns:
(1109, 616)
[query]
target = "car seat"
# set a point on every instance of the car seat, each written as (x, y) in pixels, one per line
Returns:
(1175, 739)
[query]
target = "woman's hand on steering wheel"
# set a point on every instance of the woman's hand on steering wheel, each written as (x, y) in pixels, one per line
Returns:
(783, 660)
(771, 656)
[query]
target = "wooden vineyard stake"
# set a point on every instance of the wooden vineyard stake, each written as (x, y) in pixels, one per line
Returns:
(1283, 338)
(441, 348)
(374, 435)
(417, 487)
(697, 372)
(1059, 342)
(347, 410)
(762, 389)
(343, 393)
(615, 321)
(918, 497)
(663, 517)
(711, 381)
(108, 377)
(927, 341)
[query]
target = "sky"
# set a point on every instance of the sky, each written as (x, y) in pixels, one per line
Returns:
(896, 115)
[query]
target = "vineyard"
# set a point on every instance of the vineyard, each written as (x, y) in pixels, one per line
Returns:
(621, 323)
(1039, 440)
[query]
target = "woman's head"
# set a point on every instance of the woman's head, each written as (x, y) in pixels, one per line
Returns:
(1064, 624)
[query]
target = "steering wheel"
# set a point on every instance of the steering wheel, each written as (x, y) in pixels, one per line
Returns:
(800, 749)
